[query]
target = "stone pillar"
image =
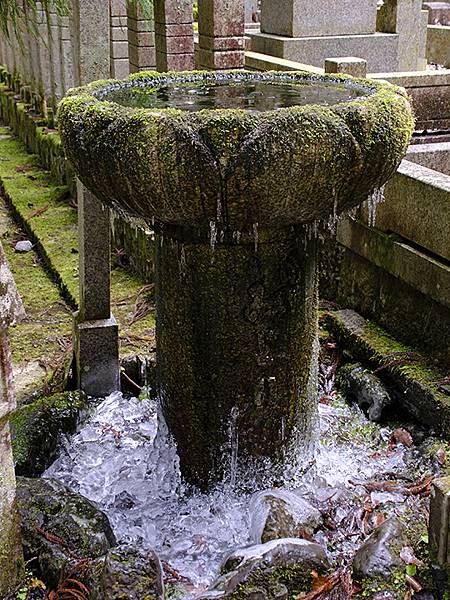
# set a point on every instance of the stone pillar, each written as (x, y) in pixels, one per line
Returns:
(96, 333)
(439, 527)
(221, 34)
(54, 41)
(405, 18)
(120, 56)
(67, 67)
(44, 55)
(11, 560)
(237, 351)
(348, 65)
(141, 39)
(174, 35)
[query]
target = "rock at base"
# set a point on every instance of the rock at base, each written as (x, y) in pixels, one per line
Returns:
(366, 389)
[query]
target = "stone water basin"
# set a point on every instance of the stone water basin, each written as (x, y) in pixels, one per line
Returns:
(238, 147)
(232, 169)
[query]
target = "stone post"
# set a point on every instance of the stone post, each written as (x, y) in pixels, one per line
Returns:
(67, 68)
(11, 560)
(439, 527)
(54, 41)
(237, 351)
(120, 55)
(405, 18)
(96, 332)
(348, 65)
(174, 35)
(44, 55)
(141, 39)
(221, 34)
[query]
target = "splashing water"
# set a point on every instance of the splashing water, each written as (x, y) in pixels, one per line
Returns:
(373, 201)
(123, 459)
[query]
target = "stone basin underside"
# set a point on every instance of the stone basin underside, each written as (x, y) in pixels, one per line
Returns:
(232, 193)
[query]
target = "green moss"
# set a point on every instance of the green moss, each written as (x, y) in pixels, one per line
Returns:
(184, 168)
(36, 427)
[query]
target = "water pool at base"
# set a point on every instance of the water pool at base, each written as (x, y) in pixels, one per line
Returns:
(117, 460)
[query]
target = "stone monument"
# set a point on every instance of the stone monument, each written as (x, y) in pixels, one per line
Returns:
(390, 38)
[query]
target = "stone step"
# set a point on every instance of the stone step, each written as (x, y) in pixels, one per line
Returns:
(416, 383)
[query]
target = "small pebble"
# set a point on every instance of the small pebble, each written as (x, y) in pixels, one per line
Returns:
(24, 246)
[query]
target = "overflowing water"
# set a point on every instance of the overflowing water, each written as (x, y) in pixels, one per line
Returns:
(120, 460)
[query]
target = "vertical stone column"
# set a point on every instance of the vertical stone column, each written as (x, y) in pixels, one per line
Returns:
(67, 72)
(96, 333)
(44, 55)
(141, 39)
(439, 525)
(237, 352)
(405, 18)
(174, 35)
(221, 34)
(11, 560)
(54, 41)
(120, 56)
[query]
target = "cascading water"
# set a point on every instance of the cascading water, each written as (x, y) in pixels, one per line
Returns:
(123, 459)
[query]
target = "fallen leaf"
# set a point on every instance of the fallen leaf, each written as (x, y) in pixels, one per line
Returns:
(400, 436)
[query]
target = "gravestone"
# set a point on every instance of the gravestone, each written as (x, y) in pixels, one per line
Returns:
(390, 38)
(174, 35)
(221, 34)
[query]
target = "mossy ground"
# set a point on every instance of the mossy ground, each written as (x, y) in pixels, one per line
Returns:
(42, 208)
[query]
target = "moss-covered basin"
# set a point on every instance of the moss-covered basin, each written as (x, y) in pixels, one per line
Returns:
(277, 163)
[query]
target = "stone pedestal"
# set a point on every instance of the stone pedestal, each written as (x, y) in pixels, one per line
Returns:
(174, 35)
(237, 351)
(141, 39)
(221, 34)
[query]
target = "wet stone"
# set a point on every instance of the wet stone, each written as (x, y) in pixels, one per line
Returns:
(280, 514)
(60, 527)
(128, 572)
(23, 246)
(366, 389)
(269, 568)
(381, 552)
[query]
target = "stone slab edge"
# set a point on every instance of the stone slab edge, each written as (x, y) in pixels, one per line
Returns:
(416, 384)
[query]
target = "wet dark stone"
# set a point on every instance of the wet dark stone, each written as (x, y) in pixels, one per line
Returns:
(59, 527)
(281, 514)
(366, 389)
(380, 553)
(127, 572)
(275, 569)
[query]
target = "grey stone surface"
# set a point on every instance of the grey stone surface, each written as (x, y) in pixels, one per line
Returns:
(97, 356)
(23, 246)
(380, 554)
(303, 18)
(90, 36)
(94, 244)
(417, 207)
(438, 45)
(434, 156)
(379, 49)
(141, 38)
(439, 524)
(419, 270)
(349, 65)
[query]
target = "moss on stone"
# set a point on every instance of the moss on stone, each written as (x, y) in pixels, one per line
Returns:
(36, 427)
(185, 169)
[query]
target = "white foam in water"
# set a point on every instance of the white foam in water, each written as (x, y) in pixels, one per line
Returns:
(117, 460)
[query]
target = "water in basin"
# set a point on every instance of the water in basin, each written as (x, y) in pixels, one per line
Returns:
(251, 95)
